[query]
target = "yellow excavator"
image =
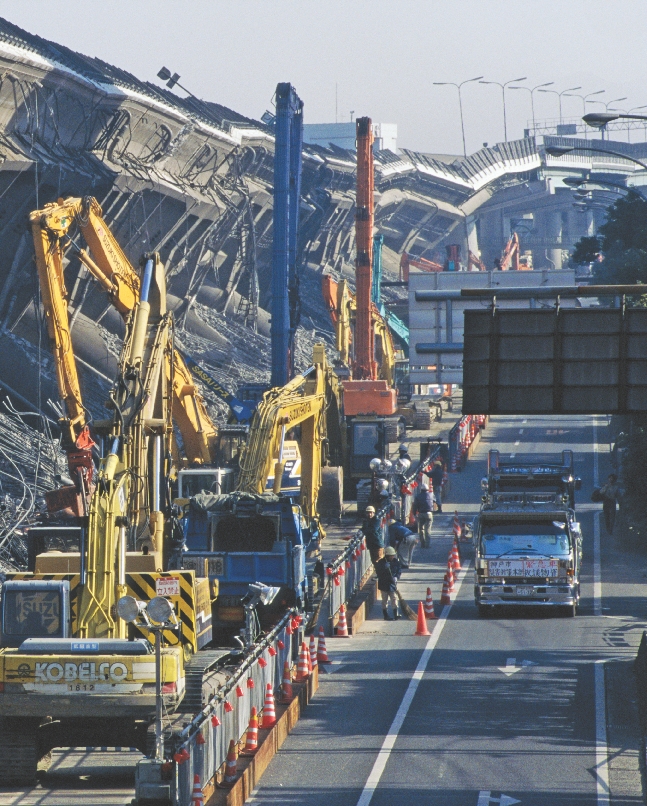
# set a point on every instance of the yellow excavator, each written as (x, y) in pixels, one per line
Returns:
(72, 671)
(51, 230)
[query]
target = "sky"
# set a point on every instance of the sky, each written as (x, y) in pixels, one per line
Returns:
(383, 56)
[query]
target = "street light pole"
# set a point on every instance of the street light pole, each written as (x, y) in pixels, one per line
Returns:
(584, 101)
(503, 86)
(606, 105)
(532, 100)
(559, 95)
(460, 101)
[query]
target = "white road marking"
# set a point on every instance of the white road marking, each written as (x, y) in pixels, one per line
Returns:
(390, 738)
(601, 746)
(517, 443)
(485, 798)
(521, 430)
(510, 667)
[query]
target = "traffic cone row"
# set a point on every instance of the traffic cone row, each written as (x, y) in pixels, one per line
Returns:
(322, 653)
(231, 766)
(251, 739)
(286, 686)
(342, 626)
(429, 606)
(313, 652)
(303, 670)
(421, 625)
(456, 526)
(445, 598)
(454, 557)
(269, 711)
(196, 794)
(449, 576)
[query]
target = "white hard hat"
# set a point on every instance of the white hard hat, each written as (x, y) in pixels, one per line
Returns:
(403, 447)
(424, 486)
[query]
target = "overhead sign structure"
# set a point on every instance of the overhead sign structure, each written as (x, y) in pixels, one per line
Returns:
(436, 305)
(555, 361)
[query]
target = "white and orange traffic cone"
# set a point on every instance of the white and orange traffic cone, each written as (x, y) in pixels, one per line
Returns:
(342, 626)
(449, 576)
(429, 606)
(303, 668)
(313, 651)
(196, 794)
(231, 766)
(421, 625)
(445, 598)
(456, 527)
(269, 711)
(286, 685)
(251, 740)
(455, 558)
(322, 652)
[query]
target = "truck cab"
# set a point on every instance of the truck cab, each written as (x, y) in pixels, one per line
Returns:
(528, 551)
(548, 474)
(243, 538)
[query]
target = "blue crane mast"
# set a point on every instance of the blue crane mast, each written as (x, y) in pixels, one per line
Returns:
(394, 322)
(287, 193)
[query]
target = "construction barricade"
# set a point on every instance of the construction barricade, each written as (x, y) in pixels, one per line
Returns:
(461, 437)
(201, 748)
(348, 572)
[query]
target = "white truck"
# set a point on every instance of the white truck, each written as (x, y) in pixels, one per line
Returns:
(528, 551)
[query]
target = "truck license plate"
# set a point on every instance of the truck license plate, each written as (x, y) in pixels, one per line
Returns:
(525, 591)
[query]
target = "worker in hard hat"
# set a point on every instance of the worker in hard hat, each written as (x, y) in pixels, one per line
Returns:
(403, 541)
(388, 572)
(372, 531)
(436, 478)
(403, 452)
(423, 509)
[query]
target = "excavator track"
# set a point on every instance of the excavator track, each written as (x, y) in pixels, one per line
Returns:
(197, 670)
(19, 752)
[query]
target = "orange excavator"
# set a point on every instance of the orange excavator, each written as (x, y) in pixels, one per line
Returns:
(421, 263)
(510, 258)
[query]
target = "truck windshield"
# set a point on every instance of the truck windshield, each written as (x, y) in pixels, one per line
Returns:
(548, 539)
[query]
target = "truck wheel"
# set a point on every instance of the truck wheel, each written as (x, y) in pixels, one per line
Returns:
(329, 502)
(422, 419)
(19, 753)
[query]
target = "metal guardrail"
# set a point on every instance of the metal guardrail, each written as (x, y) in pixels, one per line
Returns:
(345, 574)
(206, 739)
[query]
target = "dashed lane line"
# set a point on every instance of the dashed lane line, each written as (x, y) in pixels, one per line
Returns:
(391, 737)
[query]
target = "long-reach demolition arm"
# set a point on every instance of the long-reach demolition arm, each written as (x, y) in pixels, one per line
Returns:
(110, 266)
(510, 256)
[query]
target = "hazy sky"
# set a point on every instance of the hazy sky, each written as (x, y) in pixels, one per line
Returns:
(384, 55)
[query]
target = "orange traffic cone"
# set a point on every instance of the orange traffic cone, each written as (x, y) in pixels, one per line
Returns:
(313, 651)
(342, 626)
(421, 626)
(455, 558)
(445, 598)
(269, 713)
(429, 606)
(456, 528)
(322, 652)
(251, 740)
(303, 664)
(231, 772)
(449, 576)
(196, 795)
(286, 686)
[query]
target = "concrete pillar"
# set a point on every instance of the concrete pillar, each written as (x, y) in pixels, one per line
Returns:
(471, 235)
(553, 226)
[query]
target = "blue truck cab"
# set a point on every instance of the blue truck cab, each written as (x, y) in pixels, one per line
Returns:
(242, 538)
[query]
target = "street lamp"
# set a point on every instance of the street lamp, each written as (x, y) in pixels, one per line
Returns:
(584, 100)
(460, 101)
(503, 86)
(559, 95)
(532, 99)
(606, 104)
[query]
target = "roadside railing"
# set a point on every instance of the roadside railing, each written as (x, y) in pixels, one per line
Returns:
(201, 747)
(461, 437)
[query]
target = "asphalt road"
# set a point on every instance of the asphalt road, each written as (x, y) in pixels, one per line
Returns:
(502, 710)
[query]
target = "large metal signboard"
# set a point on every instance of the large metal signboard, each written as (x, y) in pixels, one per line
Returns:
(575, 361)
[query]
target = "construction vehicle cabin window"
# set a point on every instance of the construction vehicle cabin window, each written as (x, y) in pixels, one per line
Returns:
(366, 439)
(550, 539)
(32, 613)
